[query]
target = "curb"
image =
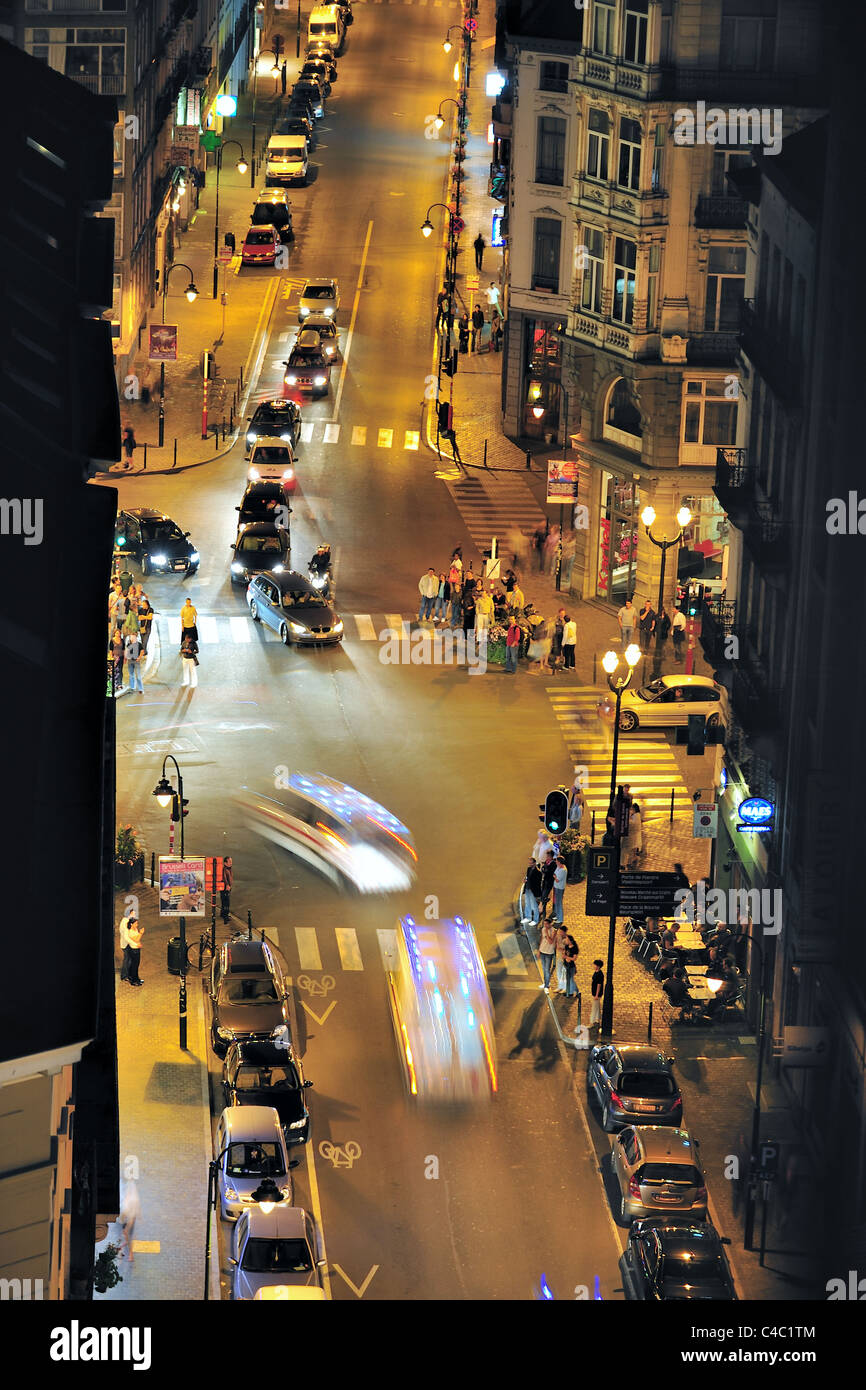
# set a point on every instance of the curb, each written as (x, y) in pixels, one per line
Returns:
(579, 1043)
(161, 472)
(154, 653)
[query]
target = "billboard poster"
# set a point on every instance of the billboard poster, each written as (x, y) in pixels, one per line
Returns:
(181, 887)
(162, 342)
(562, 479)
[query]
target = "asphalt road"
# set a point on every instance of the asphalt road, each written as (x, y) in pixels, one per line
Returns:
(434, 1204)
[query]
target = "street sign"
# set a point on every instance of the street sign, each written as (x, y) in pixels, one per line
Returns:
(769, 1154)
(562, 479)
(706, 820)
(648, 893)
(805, 1047)
(162, 342)
(473, 282)
(224, 255)
(601, 881)
(180, 155)
(210, 140)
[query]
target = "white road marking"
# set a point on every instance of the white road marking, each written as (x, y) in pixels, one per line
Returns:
(410, 439)
(351, 333)
(282, 337)
(207, 630)
(359, 434)
(385, 439)
(308, 948)
(396, 623)
(511, 953)
(350, 951)
(240, 629)
(388, 947)
(174, 630)
(366, 629)
(332, 434)
(307, 432)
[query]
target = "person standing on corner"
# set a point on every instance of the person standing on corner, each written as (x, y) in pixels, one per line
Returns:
(226, 890)
(463, 333)
(123, 933)
(428, 588)
(477, 326)
(189, 658)
(132, 651)
(597, 992)
(145, 621)
(135, 933)
(512, 645)
(547, 952)
(479, 245)
(647, 626)
(531, 895)
(627, 618)
(129, 444)
(483, 615)
(570, 952)
(560, 877)
(569, 641)
(678, 632)
(441, 308)
(188, 616)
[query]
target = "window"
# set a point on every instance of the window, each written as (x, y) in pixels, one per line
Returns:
(542, 347)
(96, 58)
(622, 411)
(726, 277)
(624, 262)
(629, 154)
(603, 27)
(658, 159)
(598, 148)
(545, 268)
(652, 286)
(749, 44)
(709, 417)
(553, 77)
(593, 272)
(636, 22)
(725, 162)
(550, 151)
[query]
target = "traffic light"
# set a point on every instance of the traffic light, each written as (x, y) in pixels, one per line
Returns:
(449, 364)
(694, 598)
(444, 417)
(208, 365)
(556, 812)
(176, 806)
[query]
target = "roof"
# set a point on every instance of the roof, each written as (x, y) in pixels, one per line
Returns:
(675, 680)
(264, 528)
(146, 513)
(798, 170)
(245, 957)
(290, 579)
(263, 1054)
(660, 1141)
(282, 1223)
(250, 1122)
(557, 24)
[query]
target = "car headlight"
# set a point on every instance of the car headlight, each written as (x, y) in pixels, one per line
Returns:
(254, 475)
(298, 1124)
(303, 311)
(231, 1195)
(297, 627)
(320, 381)
(329, 352)
(329, 313)
(158, 560)
(194, 557)
(291, 380)
(286, 436)
(251, 438)
(278, 569)
(237, 568)
(288, 474)
(338, 626)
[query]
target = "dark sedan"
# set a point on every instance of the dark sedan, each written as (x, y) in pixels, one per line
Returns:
(278, 419)
(264, 501)
(634, 1084)
(667, 1261)
(249, 995)
(290, 605)
(155, 541)
(261, 1073)
(261, 548)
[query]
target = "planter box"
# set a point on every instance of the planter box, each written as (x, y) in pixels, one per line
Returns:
(125, 875)
(574, 865)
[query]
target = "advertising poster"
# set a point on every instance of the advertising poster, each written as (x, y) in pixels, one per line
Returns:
(162, 342)
(562, 478)
(181, 887)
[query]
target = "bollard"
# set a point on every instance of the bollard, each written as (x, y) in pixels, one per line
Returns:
(216, 438)
(145, 459)
(249, 925)
(672, 804)
(485, 453)
(592, 831)
(152, 867)
(649, 1024)
(241, 378)
(174, 458)
(528, 460)
(594, 667)
(232, 416)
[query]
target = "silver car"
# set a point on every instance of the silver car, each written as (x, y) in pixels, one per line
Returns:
(274, 1248)
(320, 299)
(658, 1169)
(668, 702)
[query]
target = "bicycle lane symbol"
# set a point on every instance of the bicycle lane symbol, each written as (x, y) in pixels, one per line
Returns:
(317, 988)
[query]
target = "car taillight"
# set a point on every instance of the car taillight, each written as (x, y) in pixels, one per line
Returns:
(633, 1188)
(615, 1102)
(678, 1104)
(701, 1195)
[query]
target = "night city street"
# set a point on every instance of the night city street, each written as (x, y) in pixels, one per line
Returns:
(435, 925)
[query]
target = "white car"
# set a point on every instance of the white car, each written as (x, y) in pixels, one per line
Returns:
(276, 1247)
(272, 460)
(319, 300)
(668, 701)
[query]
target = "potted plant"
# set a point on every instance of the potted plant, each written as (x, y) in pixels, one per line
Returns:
(128, 858)
(105, 1271)
(572, 847)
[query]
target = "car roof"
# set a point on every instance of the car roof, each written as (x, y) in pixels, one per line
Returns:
(307, 338)
(642, 1055)
(676, 1237)
(672, 681)
(260, 227)
(262, 528)
(660, 1141)
(276, 407)
(319, 280)
(146, 514)
(265, 487)
(272, 195)
(248, 1123)
(283, 1222)
(290, 579)
(262, 1054)
(246, 957)
(342, 800)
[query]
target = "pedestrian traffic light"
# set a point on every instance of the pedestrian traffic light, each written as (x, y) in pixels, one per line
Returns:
(556, 812)
(176, 806)
(444, 417)
(449, 364)
(694, 598)
(208, 365)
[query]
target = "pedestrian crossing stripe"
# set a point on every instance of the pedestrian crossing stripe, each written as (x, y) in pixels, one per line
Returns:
(492, 507)
(359, 434)
(411, 439)
(385, 439)
(329, 432)
(332, 948)
(239, 629)
(332, 434)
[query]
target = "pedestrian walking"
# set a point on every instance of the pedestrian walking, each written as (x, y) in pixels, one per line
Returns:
(496, 330)
(577, 808)
(678, 632)
(632, 848)
(441, 308)
(117, 653)
(440, 603)
(477, 326)
(561, 980)
(123, 934)
(539, 646)
(647, 625)
(135, 934)
(606, 710)
(512, 646)
(548, 870)
(570, 953)
(560, 878)
(132, 652)
(531, 895)
(663, 628)
(596, 988)
(129, 445)
(189, 658)
(479, 244)
(188, 617)
(428, 588)
(627, 619)
(547, 952)
(551, 546)
(145, 620)
(463, 333)
(451, 437)
(569, 641)
(539, 537)
(483, 615)
(130, 1211)
(226, 890)
(543, 846)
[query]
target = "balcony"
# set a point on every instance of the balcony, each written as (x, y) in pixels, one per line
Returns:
(775, 357)
(721, 212)
(735, 482)
(766, 538)
(502, 115)
(614, 76)
(737, 87)
(713, 348)
(717, 625)
(110, 84)
(756, 705)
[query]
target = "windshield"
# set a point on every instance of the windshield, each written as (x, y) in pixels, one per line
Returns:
(248, 991)
(260, 545)
(299, 599)
(652, 691)
(319, 292)
(268, 1078)
(272, 453)
(254, 1160)
(646, 1083)
(701, 1270)
(682, 1173)
(259, 238)
(260, 508)
(161, 531)
(277, 1256)
(307, 357)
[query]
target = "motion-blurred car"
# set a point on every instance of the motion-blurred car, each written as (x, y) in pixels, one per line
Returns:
(248, 993)
(307, 367)
(668, 701)
(278, 419)
(260, 245)
(634, 1084)
(260, 548)
(155, 541)
(249, 1145)
(290, 605)
(442, 1012)
(672, 1259)
(272, 460)
(340, 831)
(657, 1169)
(263, 502)
(261, 1073)
(274, 1247)
(318, 299)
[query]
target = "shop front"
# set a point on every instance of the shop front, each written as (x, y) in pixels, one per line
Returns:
(618, 534)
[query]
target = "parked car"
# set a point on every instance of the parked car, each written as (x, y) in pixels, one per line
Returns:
(320, 48)
(297, 123)
(311, 72)
(155, 541)
(668, 701)
(249, 1145)
(261, 1073)
(277, 419)
(260, 245)
(320, 67)
(671, 1259)
(260, 548)
(633, 1083)
(273, 208)
(311, 92)
(249, 994)
(276, 1247)
(290, 605)
(657, 1169)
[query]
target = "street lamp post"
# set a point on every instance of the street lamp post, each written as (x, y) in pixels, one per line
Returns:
(167, 796)
(610, 661)
(191, 294)
(242, 169)
(648, 516)
(445, 347)
(275, 72)
(756, 1108)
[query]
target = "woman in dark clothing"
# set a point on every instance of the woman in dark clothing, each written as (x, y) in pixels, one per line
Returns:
(569, 955)
(548, 869)
(663, 628)
(468, 608)
(463, 333)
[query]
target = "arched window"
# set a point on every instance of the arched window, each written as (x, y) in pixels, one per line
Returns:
(621, 416)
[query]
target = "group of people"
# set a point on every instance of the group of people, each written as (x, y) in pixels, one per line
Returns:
(721, 943)
(130, 618)
(552, 643)
(648, 624)
(544, 903)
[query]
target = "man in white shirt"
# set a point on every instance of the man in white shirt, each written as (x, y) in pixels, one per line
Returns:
(483, 615)
(542, 848)
(627, 617)
(428, 588)
(678, 632)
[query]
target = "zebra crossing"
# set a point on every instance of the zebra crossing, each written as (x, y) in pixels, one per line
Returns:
(355, 436)
(222, 629)
(339, 948)
(645, 759)
(494, 506)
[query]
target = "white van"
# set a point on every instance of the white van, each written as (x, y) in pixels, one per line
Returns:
(286, 159)
(327, 23)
